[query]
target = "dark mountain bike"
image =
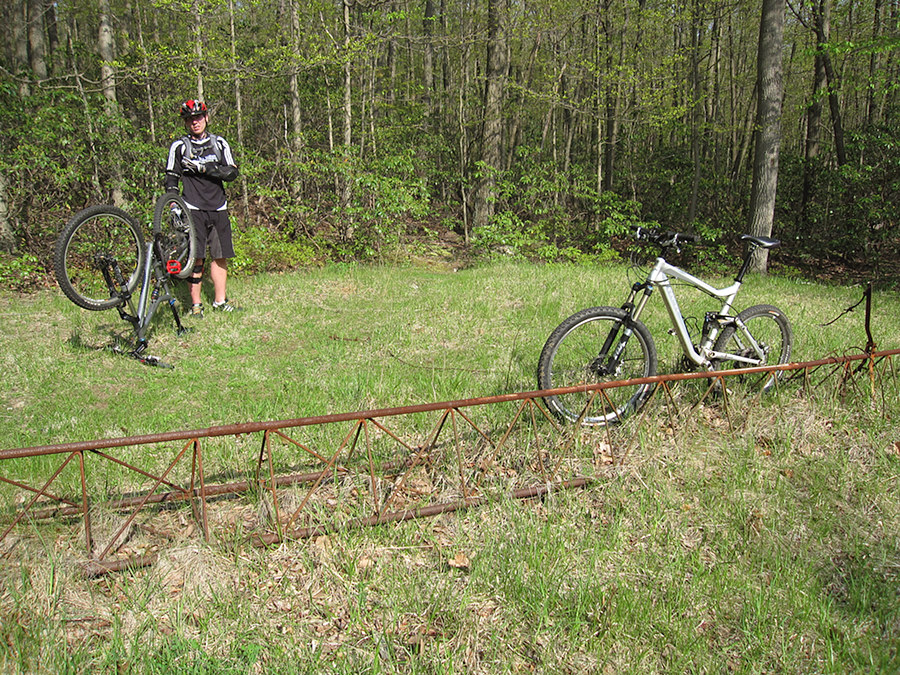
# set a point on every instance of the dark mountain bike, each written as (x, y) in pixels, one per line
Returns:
(606, 344)
(101, 259)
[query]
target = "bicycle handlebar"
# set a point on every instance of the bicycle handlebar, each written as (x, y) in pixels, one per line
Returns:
(664, 238)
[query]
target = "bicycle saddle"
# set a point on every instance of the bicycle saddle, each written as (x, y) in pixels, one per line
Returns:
(762, 242)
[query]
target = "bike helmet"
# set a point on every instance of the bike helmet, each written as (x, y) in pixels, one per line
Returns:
(193, 108)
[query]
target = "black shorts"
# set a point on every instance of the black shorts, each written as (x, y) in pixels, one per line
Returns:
(213, 230)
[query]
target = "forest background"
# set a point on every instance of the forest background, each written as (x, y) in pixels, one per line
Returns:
(533, 128)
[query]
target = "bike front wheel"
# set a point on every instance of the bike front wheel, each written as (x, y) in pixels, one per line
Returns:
(573, 356)
(96, 240)
(770, 329)
(174, 227)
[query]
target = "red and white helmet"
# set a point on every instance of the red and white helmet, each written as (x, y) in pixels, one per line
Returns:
(193, 108)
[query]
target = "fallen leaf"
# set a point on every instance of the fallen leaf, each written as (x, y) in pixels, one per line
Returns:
(460, 561)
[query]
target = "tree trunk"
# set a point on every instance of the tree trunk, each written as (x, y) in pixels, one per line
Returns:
(52, 32)
(36, 42)
(822, 22)
(7, 237)
(293, 81)
(444, 54)
(696, 110)
(147, 87)
(463, 136)
(811, 146)
(348, 103)
(428, 23)
(238, 104)
(20, 47)
(768, 123)
(198, 48)
(348, 77)
(492, 128)
(107, 49)
(875, 66)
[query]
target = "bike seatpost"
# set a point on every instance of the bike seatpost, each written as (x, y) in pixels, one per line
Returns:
(753, 242)
(746, 264)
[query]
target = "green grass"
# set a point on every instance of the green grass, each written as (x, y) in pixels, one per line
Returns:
(761, 541)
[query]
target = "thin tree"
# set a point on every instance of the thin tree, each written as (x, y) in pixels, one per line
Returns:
(7, 237)
(37, 45)
(52, 31)
(822, 28)
(106, 47)
(428, 22)
(770, 88)
(875, 64)
(20, 47)
(238, 101)
(492, 128)
(348, 101)
(199, 63)
(813, 133)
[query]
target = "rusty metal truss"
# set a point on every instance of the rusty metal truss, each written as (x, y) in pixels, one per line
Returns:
(313, 475)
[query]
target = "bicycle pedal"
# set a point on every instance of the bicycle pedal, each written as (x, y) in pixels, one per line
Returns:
(154, 362)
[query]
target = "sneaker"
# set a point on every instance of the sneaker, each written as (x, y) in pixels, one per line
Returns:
(196, 311)
(224, 306)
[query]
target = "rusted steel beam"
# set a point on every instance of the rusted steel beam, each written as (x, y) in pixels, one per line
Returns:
(97, 568)
(256, 427)
(411, 514)
(181, 496)
(356, 442)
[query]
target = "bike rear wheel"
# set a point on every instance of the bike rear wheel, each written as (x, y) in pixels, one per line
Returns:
(771, 330)
(570, 359)
(172, 221)
(96, 238)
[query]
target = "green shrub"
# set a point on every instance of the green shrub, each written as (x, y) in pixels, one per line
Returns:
(258, 249)
(20, 272)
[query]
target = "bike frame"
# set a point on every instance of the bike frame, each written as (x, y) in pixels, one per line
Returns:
(155, 290)
(661, 276)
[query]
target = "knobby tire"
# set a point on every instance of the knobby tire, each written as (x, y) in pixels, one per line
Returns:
(772, 331)
(568, 359)
(172, 219)
(92, 239)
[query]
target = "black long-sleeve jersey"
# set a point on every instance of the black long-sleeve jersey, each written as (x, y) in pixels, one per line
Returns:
(204, 191)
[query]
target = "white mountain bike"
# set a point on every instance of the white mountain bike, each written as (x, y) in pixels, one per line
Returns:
(605, 344)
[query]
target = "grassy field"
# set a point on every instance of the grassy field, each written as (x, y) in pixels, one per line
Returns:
(762, 542)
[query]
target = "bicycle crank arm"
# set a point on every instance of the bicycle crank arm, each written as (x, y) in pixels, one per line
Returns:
(138, 355)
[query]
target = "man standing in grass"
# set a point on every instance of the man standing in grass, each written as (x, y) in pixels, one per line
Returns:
(203, 163)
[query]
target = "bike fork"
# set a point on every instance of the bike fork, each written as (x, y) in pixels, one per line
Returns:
(632, 312)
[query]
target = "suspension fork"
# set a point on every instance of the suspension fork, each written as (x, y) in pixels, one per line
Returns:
(632, 312)
(163, 285)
